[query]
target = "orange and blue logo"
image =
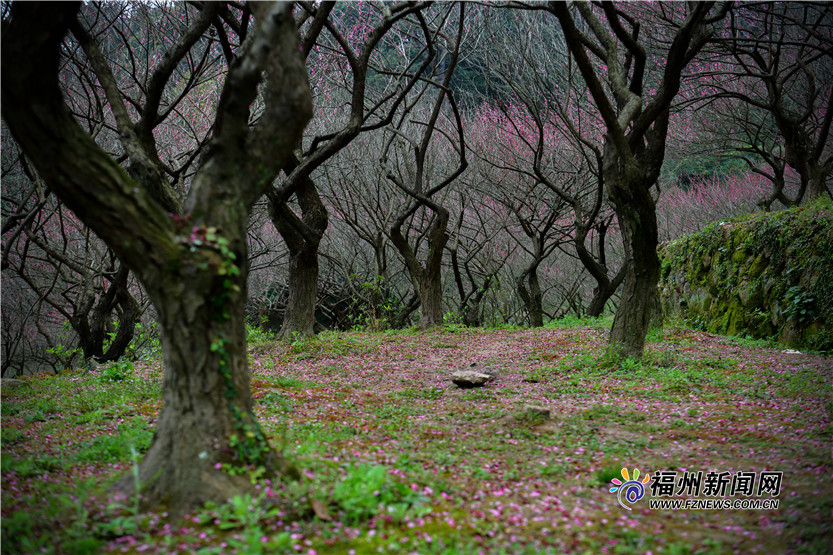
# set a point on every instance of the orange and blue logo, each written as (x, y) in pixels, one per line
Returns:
(632, 488)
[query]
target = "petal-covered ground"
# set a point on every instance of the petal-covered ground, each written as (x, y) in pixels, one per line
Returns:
(397, 459)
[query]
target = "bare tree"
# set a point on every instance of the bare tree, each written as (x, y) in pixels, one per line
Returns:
(190, 264)
(474, 257)
(612, 53)
(406, 157)
(330, 34)
(361, 199)
(775, 68)
(70, 271)
(556, 137)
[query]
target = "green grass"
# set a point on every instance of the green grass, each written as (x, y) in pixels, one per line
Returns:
(430, 394)
(572, 321)
(329, 345)
(401, 452)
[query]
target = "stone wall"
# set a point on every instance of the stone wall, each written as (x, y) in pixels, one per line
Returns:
(766, 276)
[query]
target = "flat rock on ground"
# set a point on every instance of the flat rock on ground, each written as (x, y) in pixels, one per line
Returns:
(474, 375)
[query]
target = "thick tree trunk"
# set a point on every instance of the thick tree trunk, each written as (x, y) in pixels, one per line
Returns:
(190, 270)
(299, 318)
(636, 212)
(531, 295)
(302, 237)
(206, 415)
(431, 294)
(817, 176)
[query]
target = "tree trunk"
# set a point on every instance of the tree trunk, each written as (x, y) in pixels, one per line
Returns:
(636, 212)
(302, 237)
(602, 293)
(532, 296)
(188, 265)
(817, 180)
(472, 314)
(426, 280)
(206, 415)
(299, 318)
(431, 295)
(598, 302)
(118, 298)
(605, 287)
(402, 317)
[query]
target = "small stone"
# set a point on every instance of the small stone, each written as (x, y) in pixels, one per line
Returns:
(467, 379)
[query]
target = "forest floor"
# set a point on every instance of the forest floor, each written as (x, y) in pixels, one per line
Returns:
(397, 459)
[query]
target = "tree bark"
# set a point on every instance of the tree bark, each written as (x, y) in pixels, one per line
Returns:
(299, 317)
(427, 280)
(634, 145)
(605, 286)
(206, 415)
(403, 315)
(117, 297)
(531, 295)
(302, 237)
(636, 211)
(817, 177)
(431, 295)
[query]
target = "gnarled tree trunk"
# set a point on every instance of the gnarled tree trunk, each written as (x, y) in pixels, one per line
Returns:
(116, 298)
(206, 415)
(427, 280)
(605, 286)
(431, 295)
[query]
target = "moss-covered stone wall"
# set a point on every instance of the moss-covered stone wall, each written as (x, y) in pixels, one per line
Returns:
(767, 276)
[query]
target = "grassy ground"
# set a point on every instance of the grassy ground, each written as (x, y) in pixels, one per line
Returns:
(396, 459)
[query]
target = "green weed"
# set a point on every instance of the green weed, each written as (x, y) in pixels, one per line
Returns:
(293, 383)
(571, 321)
(117, 372)
(367, 490)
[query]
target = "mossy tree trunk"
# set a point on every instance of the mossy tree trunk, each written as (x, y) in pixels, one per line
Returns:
(206, 415)
(191, 264)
